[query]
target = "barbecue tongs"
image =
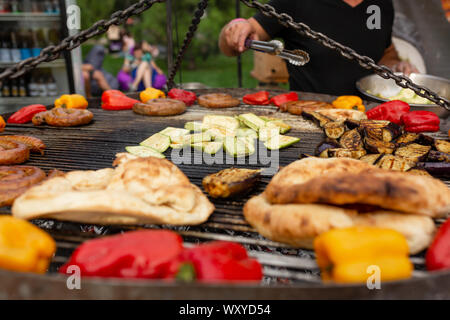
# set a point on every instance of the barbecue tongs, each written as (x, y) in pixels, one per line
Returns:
(295, 57)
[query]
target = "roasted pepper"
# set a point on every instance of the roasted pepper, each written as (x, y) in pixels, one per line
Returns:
(2, 124)
(24, 247)
(117, 100)
(391, 111)
(349, 102)
(159, 254)
(217, 261)
(344, 255)
(187, 97)
(283, 98)
(438, 254)
(71, 101)
(421, 121)
(151, 93)
(260, 98)
(137, 254)
(26, 114)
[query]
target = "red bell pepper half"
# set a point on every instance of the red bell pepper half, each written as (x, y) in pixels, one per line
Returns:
(421, 121)
(117, 100)
(217, 261)
(159, 254)
(260, 98)
(438, 254)
(187, 97)
(283, 98)
(26, 114)
(391, 111)
(137, 254)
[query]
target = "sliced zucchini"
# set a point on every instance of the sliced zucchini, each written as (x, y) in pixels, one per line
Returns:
(283, 127)
(238, 147)
(246, 132)
(252, 121)
(212, 147)
(144, 152)
(176, 145)
(267, 133)
(280, 142)
(265, 118)
(194, 126)
(196, 137)
(158, 142)
(172, 132)
(219, 133)
(211, 121)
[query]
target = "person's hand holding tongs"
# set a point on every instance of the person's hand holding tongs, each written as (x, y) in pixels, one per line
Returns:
(296, 57)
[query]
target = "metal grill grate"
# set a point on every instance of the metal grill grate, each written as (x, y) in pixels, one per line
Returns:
(94, 147)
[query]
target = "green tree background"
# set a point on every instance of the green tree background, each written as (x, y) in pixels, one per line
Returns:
(151, 25)
(202, 62)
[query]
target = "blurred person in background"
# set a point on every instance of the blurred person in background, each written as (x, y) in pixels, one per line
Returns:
(139, 70)
(96, 79)
(346, 21)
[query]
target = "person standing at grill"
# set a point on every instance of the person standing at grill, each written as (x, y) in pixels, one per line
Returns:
(353, 23)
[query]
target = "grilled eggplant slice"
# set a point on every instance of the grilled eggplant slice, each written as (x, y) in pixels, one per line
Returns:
(351, 140)
(377, 146)
(407, 138)
(380, 129)
(346, 153)
(334, 130)
(371, 158)
(415, 152)
(437, 156)
(420, 138)
(352, 124)
(395, 163)
(435, 168)
(317, 118)
(442, 146)
(230, 182)
(325, 145)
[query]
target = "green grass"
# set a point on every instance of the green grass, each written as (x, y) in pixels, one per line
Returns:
(217, 71)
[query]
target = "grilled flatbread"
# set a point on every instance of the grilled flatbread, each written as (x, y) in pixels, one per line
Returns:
(299, 224)
(341, 181)
(138, 191)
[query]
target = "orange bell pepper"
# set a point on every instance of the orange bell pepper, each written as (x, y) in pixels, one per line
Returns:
(151, 93)
(71, 101)
(2, 124)
(345, 255)
(349, 102)
(24, 247)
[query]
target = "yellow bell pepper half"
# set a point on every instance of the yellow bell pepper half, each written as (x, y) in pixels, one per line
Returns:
(24, 247)
(345, 255)
(71, 101)
(2, 124)
(349, 102)
(151, 93)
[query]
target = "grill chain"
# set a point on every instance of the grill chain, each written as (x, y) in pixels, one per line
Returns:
(187, 40)
(100, 27)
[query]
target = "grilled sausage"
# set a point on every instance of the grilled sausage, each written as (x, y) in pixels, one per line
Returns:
(160, 107)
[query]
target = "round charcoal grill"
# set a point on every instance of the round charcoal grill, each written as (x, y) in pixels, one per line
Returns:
(289, 273)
